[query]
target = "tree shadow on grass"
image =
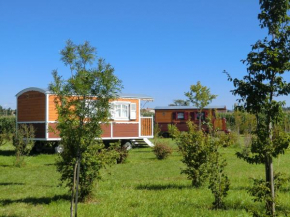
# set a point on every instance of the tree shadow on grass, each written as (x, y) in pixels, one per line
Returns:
(9, 215)
(10, 183)
(7, 166)
(7, 153)
(35, 201)
(156, 187)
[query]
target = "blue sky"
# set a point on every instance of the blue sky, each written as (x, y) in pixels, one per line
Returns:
(157, 47)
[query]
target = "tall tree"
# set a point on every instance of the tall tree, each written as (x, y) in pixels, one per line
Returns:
(259, 89)
(82, 103)
(200, 97)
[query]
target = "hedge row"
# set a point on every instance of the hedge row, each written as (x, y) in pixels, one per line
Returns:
(7, 124)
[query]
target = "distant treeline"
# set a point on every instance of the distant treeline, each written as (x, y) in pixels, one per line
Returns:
(7, 124)
(6, 112)
(243, 122)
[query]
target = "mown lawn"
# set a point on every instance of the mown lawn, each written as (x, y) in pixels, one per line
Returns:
(143, 186)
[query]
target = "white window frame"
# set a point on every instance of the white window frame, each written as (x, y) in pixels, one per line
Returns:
(113, 110)
(133, 111)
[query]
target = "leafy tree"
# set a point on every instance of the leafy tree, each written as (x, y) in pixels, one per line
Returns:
(200, 97)
(82, 103)
(259, 89)
(180, 102)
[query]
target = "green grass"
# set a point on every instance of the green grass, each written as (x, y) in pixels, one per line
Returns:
(143, 186)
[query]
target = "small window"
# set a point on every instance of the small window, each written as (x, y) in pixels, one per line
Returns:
(133, 111)
(202, 116)
(180, 115)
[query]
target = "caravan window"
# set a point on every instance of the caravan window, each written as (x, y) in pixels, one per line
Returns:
(180, 115)
(123, 110)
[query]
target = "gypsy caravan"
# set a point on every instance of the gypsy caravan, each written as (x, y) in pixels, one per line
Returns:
(36, 106)
(179, 115)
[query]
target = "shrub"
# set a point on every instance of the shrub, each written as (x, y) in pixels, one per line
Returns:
(7, 128)
(227, 140)
(23, 142)
(162, 150)
(122, 154)
(7, 124)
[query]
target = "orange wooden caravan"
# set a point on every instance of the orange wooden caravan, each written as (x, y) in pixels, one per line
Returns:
(36, 106)
(179, 115)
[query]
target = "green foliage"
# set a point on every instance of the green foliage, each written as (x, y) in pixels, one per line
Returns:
(119, 152)
(264, 82)
(200, 97)
(219, 183)
(6, 112)
(261, 192)
(226, 140)
(203, 160)
(23, 141)
(161, 150)
(180, 102)
(173, 131)
(240, 122)
(7, 128)
(194, 147)
(261, 147)
(82, 103)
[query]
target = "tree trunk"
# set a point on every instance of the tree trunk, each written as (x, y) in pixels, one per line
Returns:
(199, 121)
(270, 204)
(77, 187)
(270, 175)
(73, 191)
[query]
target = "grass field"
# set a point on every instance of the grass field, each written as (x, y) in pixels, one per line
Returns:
(143, 186)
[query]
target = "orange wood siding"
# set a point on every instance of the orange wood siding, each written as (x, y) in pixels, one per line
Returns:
(52, 112)
(106, 128)
(125, 130)
(31, 106)
(53, 133)
(163, 115)
(146, 127)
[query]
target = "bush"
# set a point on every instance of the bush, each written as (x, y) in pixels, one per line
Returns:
(162, 150)
(123, 154)
(7, 128)
(23, 142)
(7, 124)
(227, 140)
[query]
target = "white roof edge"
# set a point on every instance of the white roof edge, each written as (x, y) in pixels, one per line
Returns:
(32, 89)
(186, 107)
(45, 91)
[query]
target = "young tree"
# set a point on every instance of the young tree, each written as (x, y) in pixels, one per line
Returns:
(200, 97)
(267, 62)
(23, 141)
(82, 103)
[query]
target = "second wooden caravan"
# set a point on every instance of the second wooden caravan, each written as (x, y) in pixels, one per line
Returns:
(179, 115)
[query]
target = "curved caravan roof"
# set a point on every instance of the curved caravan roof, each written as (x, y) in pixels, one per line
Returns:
(45, 91)
(122, 95)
